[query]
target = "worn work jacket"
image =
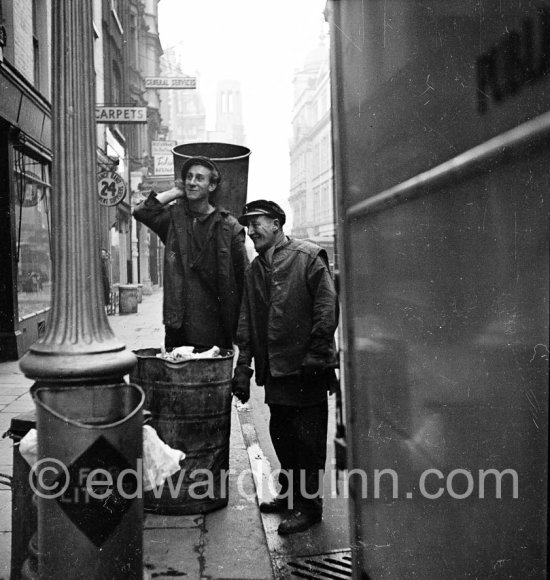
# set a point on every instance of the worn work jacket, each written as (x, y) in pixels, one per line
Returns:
(288, 313)
(222, 276)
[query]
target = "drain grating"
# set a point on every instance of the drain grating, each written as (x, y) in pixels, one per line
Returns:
(330, 566)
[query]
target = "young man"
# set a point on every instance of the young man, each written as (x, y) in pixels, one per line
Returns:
(289, 314)
(204, 258)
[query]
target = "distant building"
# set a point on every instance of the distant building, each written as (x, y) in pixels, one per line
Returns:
(183, 112)
(229, 114)
(310, 150)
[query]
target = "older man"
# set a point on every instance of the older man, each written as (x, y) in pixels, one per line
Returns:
(288, 318)
(204, 258)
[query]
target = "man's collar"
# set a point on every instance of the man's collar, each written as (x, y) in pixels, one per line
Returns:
(267, 256)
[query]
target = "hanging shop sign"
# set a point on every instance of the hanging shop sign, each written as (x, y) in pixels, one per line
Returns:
(162, 147)
(121, 114)
(111, 188)
(163, 165)
(170, 82)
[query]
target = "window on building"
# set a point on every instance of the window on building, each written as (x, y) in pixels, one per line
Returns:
(324, 153)
(33, 231)
(316, 160)
(325, 203)
(134, 45)
(116, 85)
(316, 203)
(35, 45)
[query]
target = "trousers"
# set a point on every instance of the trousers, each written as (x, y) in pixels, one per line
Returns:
(299, 437)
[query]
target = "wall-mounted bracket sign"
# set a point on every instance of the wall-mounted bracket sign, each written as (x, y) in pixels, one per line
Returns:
(111, 188)
(170, 82)
(121, 114)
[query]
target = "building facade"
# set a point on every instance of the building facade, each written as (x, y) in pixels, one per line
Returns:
(311, 198)
(183, 111)
(126, 49)
(25, 173)
(229, 114)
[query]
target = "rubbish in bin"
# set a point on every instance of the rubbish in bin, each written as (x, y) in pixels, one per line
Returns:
(160, 461)
(183, 353)
(28, 447)
(23, 506)
(190, 405)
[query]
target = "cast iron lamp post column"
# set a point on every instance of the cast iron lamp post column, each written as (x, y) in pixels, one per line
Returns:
(79, 345)
(79, 349)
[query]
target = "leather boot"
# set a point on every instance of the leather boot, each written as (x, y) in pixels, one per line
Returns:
(298, 521)
(278, 505)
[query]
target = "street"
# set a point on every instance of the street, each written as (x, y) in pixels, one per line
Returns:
(234, 542)
(333, 533)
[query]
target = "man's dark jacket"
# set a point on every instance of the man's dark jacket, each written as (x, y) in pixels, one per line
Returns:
(171, 223)
(291, 313)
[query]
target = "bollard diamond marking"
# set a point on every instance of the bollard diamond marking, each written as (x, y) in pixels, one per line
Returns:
(97, 518)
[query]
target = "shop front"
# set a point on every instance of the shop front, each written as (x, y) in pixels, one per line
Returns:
(25, 207)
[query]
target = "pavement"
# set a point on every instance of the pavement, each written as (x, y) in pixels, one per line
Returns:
(229, 543)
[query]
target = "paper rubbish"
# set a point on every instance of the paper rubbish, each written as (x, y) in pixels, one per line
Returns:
(160, 461)
(184, 353)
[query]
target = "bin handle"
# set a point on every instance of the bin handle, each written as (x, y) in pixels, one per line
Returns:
(76, 423)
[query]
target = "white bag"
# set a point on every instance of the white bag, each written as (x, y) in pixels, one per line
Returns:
(160, 461)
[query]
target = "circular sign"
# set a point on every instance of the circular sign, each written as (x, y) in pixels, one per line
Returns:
(111, 188)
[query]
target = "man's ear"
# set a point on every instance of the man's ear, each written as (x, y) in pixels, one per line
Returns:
(276, 224)
(211, 187)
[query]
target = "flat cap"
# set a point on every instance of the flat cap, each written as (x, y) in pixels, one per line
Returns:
(200, 160)
(262, 207)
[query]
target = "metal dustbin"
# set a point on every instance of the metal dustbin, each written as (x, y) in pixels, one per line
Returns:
(128, 299)
(23, 506)
(190, 406)
(90, 432)
(232, 161)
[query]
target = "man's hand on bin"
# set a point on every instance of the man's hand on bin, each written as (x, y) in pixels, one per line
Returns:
(314, 365)
(240, 385)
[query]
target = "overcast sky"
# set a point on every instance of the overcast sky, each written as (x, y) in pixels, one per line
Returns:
(261, 44)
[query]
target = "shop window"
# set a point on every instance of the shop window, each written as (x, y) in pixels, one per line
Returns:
(33, 234)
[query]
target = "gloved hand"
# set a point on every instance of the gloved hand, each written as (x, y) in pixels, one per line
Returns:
(240, 385)
(314, 365)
